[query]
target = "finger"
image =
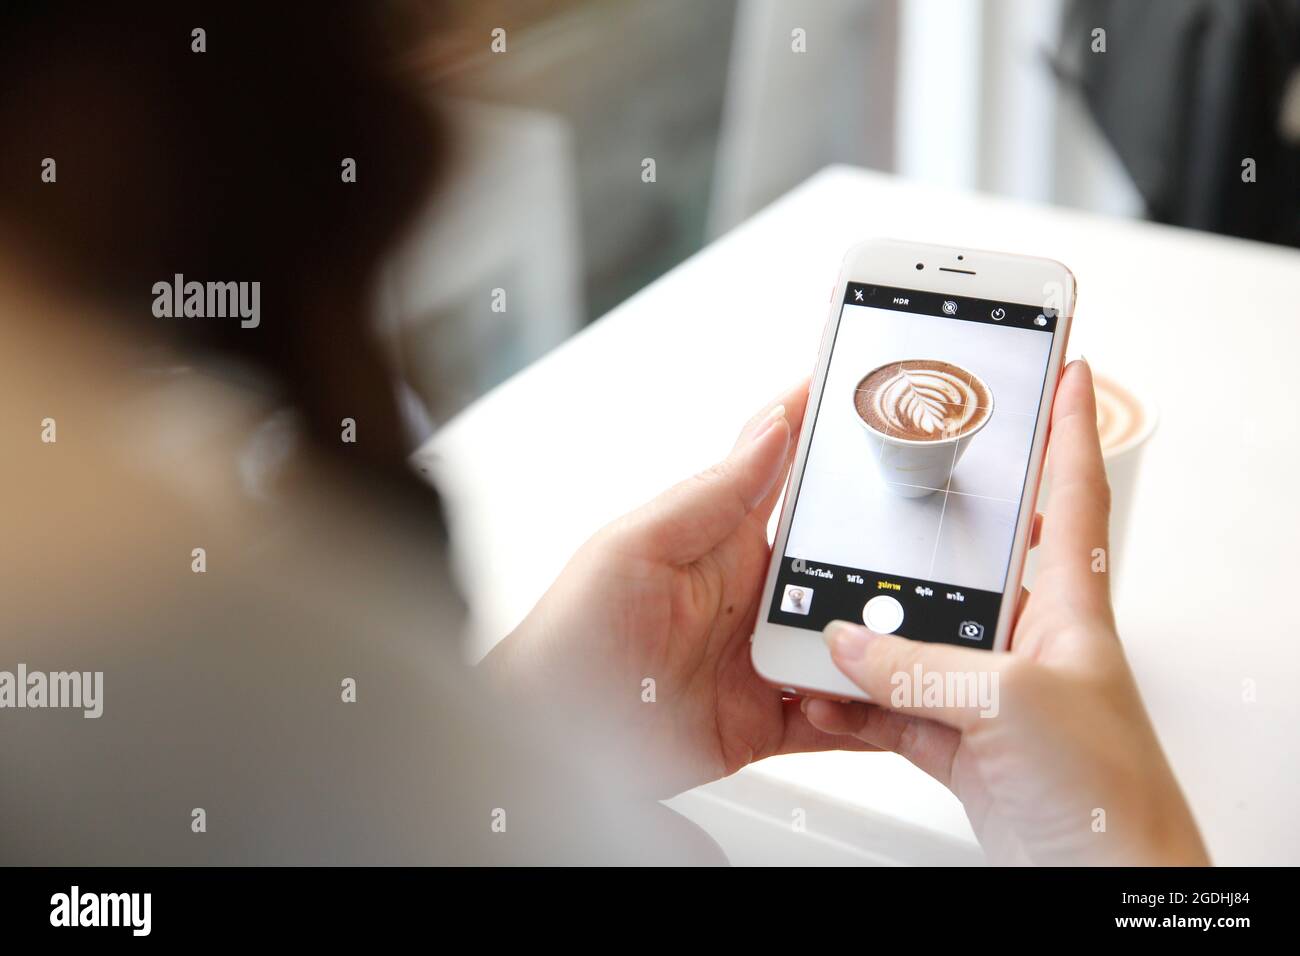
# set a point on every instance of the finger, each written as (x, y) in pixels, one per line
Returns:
(693, 517)
(928, 745)
(800, 736)
(1074, 549)
(895, 672)
(796, 402)
(793, 399)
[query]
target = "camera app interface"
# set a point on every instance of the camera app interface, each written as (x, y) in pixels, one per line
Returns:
(911, 489)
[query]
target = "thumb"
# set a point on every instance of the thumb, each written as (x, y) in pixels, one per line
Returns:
(692, 518)
(894, 671)
(1078, 531)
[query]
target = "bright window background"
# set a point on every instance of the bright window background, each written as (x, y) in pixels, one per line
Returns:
(547, 202)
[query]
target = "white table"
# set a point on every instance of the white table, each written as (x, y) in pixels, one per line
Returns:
(658, 388)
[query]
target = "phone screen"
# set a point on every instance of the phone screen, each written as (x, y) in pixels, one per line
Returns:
(911, 488)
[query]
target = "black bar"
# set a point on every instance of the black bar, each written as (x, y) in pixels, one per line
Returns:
(932, 611)
(349, 906)
(1006, 314)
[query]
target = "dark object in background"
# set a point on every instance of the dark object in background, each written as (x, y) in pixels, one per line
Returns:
(225, 165)
(1185, 91)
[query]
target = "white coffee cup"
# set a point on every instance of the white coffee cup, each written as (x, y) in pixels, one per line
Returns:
(914, 469)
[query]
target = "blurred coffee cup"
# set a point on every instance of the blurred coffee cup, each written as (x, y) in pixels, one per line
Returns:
(1126, 421)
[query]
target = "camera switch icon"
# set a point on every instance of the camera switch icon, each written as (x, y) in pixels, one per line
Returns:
(971, 630)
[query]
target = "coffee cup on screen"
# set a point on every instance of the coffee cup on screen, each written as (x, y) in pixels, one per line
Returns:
(919, 416)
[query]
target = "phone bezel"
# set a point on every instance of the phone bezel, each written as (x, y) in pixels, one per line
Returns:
(797, 658)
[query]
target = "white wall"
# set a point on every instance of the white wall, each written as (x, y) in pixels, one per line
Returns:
(979, 107)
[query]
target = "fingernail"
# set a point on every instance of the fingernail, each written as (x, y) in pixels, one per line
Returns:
(772, 417)
(803, 705)
(848, 642)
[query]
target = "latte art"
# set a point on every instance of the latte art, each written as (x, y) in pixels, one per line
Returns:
(922, 400)
(1119, 415)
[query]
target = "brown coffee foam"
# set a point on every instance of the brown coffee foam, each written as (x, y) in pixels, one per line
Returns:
(923, 411)
(1120, 416)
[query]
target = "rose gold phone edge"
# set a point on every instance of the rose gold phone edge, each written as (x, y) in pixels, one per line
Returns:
(796, 658)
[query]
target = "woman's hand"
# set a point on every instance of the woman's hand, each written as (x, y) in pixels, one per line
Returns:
(1069, 769)
(641, 647)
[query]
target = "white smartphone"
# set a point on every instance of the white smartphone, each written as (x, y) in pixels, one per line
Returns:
(911, 500)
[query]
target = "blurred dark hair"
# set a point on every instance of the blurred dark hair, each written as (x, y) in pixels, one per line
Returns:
(226, 165)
